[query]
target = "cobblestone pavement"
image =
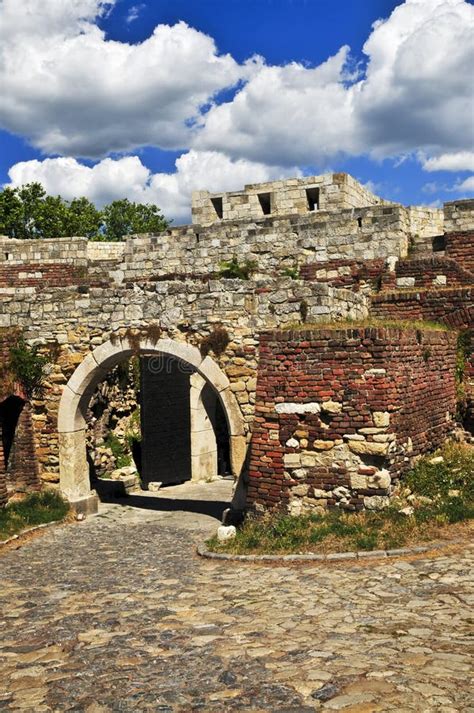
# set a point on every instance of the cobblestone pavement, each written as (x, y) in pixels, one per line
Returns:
(119, 614)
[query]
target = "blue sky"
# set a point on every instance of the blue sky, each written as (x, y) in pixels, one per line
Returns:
(153, 99)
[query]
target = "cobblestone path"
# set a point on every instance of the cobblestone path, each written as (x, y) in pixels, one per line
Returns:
(119, 614)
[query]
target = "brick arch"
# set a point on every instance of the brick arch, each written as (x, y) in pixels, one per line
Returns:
(74, 470)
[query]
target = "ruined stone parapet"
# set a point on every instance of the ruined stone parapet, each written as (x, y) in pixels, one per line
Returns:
(459, 216)
(332, 191)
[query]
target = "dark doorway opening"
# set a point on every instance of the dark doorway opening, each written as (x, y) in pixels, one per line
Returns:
(223, 441)
(10, 411)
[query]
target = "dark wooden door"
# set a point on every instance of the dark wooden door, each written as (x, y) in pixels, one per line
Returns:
(165, 420)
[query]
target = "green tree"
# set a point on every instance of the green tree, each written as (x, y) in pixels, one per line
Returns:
(11, 211)
(83, 219)
(124, 217)
(27, 212)
(50, 218)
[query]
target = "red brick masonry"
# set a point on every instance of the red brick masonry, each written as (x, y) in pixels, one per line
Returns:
(340, 414)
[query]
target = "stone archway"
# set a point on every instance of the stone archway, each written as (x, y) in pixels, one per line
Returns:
(74, 469)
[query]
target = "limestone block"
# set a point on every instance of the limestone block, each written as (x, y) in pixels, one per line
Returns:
(300, 490)
(225, 533)
(323, 445)
(308, 460)
(73, 409)
(358, 481)
(381, 419)
(238, 453)
(405, 281)
(87, 373)
(381, 479)
(376, 502)
(204, 466)
(108, 355)
(232, 412)
(331, 407)
(74, 469)
(295, 507)
(320, 494)
(185, 352)
(288, 407)
(210, 371)
(292, 460)
(368, 448)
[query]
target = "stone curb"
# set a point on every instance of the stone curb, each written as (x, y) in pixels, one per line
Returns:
(13, 538)
(203, 551)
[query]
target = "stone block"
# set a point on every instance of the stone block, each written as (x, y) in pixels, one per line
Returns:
(368, 448)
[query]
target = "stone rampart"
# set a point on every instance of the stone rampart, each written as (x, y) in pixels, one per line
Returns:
(343, 259)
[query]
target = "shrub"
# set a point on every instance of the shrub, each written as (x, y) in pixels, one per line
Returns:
(118, 449)
(28, 366)
(234, 269)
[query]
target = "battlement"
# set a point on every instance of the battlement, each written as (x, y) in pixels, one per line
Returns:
(331, 191)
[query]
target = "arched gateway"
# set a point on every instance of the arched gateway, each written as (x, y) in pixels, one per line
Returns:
(74, 469)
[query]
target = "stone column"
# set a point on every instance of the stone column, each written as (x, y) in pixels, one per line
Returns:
(203, 438)
(74, 473)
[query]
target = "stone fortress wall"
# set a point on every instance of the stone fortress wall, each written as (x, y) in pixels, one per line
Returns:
(350, 254)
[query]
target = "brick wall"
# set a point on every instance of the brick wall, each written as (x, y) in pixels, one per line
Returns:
(341, 414)
(347, 273)
(19, 471)
(444, 305)
(460, 247)
(23, 470)
(429, 273)
(41, 275)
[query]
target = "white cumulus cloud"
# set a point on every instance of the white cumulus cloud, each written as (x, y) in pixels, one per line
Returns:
(466, 186)
(416, 94)
(460, 161)
(127, 177)
(70, 90)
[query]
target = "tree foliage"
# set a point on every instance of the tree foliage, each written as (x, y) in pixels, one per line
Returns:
(28, 212)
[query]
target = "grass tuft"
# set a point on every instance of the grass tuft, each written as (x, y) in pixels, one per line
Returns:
(441, 494)
(34, 509)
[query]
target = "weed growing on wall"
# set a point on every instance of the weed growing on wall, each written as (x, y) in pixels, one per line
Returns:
(232, 269)
(217, 342)
(118, 450)
(292, 272)
(28, 367)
